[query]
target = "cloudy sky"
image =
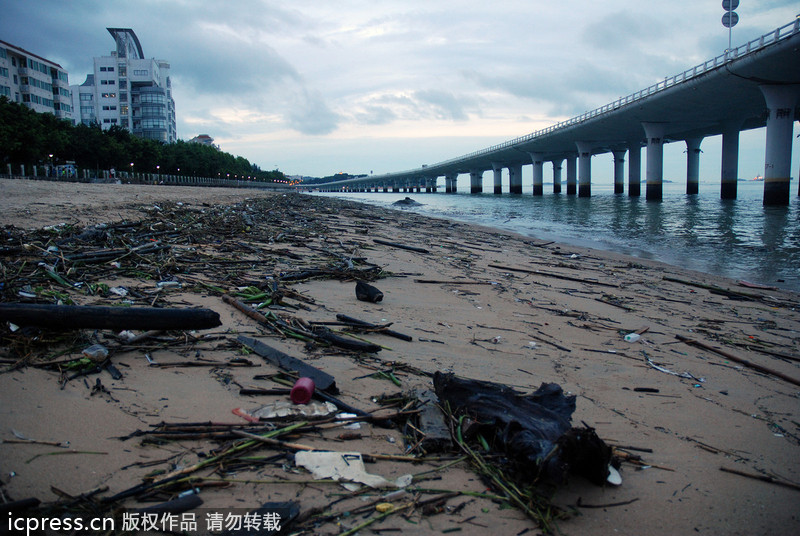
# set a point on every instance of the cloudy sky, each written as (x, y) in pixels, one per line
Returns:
(314, 88)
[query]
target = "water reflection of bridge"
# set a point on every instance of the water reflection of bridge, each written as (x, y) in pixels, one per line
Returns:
(752, 86)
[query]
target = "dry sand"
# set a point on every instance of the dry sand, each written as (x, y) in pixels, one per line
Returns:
(516, 328)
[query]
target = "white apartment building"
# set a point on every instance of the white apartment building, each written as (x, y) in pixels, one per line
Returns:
(35, 82)
(128, 90)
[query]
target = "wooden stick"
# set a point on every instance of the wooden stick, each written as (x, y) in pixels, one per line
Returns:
(400, 246)
(763, 478)
(754, 366)
(556, 276)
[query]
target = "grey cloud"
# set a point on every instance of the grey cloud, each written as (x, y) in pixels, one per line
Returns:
(376, 115)
(444, 104)
(311, 115)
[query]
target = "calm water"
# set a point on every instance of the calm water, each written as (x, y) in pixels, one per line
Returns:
(739, 239)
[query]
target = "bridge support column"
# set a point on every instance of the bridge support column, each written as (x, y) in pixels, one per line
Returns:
(693, 165)
(475, 181)
(619, 172)
(655, 160)
(781, 101)
(730, 159)
(497, 171)
(450, 183)
(515, 178)
(572, 174)
(538, 173)
(584, 169)
(635, 169)
(557, 175)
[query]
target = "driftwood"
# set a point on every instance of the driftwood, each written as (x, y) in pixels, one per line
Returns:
(103, 317)
(555, 276)
(349, 320)
(400, 246)
(746, 363)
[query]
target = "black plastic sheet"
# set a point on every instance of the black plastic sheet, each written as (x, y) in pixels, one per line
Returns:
(534, 430)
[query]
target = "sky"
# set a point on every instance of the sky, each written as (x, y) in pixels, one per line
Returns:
(315, 88)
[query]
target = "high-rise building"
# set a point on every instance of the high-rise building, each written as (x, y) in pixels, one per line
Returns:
(33, 81)
(128, 90)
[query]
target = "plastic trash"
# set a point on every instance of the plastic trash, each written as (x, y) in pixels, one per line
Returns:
(302, 391)
(632, 337)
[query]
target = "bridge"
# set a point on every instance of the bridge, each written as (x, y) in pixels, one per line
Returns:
(752, 86)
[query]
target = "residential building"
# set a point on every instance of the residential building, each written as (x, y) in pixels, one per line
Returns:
(204, 139)
(128, 90)
(34, 81)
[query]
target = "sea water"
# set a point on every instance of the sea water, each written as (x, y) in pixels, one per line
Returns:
(738, 238)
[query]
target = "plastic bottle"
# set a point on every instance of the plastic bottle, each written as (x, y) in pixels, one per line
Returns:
(632, 337)
(302, 391)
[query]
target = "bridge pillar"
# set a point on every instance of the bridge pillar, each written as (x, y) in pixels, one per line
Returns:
(515, 178)
(655, 160)
(781, 101)
(730, 159)
(572, 175)
(557, 163)
(538, 173)
(619, 172)
(497, 171)
(584, 169)
(693, 165)
(635, 169)
(475, 181)
(450, 183)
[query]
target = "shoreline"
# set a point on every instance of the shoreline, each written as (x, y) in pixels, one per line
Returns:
(493, 306)
(688, 237)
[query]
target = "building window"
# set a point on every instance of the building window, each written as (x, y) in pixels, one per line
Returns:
(5, 90)
(140, 72)
(109, 95)
(4, 71)
(87, 97)
(108, 108)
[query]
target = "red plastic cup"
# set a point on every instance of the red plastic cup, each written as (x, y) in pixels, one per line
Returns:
(302, 391)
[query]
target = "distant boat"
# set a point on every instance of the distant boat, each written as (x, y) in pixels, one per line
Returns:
(758, 178)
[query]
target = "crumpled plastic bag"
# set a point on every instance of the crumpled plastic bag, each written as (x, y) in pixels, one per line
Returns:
(533, 430)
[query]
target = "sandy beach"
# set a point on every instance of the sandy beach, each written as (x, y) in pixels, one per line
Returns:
(707, 395)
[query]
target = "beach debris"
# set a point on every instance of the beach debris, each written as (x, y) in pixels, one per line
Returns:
(347, 466)
(180, 504)
(302, 391)
(400, 246)
(407, 202)
(737, 359)
(436, 434)
(284, 408)
(104, 317)
(368, 293)
(555, 276)
(96, 352)
(632, 337)
(322, 380)
(534, 430)
(763, 478)
(362, 325)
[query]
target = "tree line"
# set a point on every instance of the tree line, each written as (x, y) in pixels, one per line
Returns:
(40, 139)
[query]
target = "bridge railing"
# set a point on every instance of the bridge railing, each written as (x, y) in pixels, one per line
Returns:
(765, 40)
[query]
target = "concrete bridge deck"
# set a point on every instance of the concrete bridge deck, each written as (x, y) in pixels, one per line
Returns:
(754, 85)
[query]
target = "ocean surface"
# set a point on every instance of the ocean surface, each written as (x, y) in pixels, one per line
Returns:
(738, 238)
